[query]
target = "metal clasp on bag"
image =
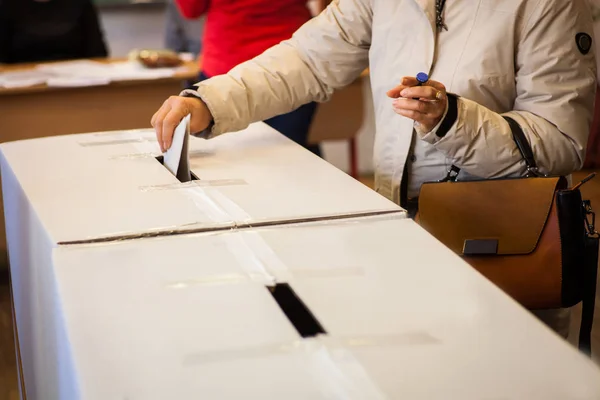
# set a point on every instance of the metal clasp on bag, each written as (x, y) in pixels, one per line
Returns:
(453, 172)
(590, 219)
(534, 172)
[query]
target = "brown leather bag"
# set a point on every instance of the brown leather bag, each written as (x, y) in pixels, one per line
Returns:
(533, 237)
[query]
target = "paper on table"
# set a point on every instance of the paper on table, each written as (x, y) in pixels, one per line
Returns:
(176, 159)
(128, 70)
(115, 71)
(76, 82)
(19, 79)
(82, 73)
(71, 67)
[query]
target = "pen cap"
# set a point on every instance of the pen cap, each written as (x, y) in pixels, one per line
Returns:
(422, 77)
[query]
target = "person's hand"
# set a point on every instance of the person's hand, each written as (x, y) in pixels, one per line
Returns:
(170, 114)
(427, 110)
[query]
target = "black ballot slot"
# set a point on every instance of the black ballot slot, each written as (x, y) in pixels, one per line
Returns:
(194, 177)
(296, 311)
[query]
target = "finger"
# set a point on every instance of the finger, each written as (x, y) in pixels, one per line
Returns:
(157, 123)
(441, 90)
(412, 114)
(153, 119)
(420, 92)
(170, 122)
(435, 84)
(405, 82)
(395, 92)
(422, 107)
(409, 81)
(422, 120)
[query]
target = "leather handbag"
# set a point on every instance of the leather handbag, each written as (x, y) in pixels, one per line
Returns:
(533, 237)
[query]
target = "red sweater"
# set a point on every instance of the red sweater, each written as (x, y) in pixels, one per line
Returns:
(238, 30)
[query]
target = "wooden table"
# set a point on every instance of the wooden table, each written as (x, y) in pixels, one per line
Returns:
(39, 111)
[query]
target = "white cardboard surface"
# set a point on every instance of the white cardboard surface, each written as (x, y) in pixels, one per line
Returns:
(429, 325)
(93, 186)
(295, 178)
(163, 329)
(109, 185)
(396, 305)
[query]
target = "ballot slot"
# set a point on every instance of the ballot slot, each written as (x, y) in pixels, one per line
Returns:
(161, 160)
(296, 311)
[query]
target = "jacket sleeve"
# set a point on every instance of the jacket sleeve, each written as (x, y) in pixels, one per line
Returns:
(327, 53)
(555, 90)
(192, 9)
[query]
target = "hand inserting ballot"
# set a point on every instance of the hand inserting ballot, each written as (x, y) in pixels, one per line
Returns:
(170, 114)
(424, 103)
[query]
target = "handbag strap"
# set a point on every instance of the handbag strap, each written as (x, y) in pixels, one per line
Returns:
(523, 146)
(592, 245)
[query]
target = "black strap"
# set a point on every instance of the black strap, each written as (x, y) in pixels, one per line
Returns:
(589, 294)
(404, 186)
(522, 144)
(404, 179)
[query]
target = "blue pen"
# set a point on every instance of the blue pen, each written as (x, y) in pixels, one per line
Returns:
(422, 78)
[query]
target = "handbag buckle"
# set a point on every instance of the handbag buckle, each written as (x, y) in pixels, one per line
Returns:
(590, 219)
(534, 172)
(452, 174)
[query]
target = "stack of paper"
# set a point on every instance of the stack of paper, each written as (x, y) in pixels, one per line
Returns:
(19, 79)
(82, 73)
(85, 69)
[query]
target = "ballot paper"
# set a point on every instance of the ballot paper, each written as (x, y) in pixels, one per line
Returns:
(176, 159)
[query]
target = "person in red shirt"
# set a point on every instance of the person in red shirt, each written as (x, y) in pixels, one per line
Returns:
(239, 30)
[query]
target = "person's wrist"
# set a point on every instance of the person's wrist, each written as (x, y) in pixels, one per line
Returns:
(202, 119)
(422, 131)
(208, 120)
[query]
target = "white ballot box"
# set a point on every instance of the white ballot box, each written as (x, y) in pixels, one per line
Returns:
(362, 308)
(104, 187)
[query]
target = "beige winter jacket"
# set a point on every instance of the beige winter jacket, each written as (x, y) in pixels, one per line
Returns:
(519, 58)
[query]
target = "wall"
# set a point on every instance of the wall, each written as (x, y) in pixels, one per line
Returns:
(132, 27)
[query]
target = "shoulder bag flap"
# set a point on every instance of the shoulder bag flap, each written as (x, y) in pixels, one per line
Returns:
(488, 217)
